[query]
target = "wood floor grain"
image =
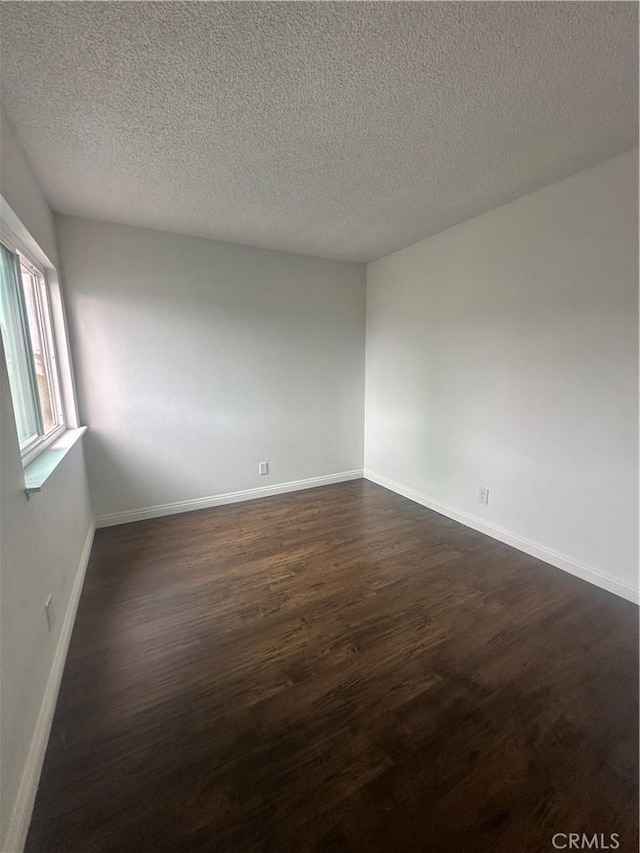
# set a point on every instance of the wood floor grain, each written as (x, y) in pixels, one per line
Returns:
(337, 670)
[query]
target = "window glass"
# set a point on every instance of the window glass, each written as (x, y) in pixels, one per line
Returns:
(27, 335)
(34, 294)
(16, 347)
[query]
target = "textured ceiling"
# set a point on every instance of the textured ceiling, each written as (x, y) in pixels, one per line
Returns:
(343, 130)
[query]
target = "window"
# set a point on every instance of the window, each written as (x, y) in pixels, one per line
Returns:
(25, 320)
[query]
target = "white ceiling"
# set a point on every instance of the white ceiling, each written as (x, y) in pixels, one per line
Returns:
(343, 130)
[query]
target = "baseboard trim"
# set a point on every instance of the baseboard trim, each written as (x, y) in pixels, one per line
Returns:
(534, 549)
(220, 500)
(18, 825)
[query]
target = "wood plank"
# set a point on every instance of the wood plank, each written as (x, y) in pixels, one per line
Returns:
(337, 670)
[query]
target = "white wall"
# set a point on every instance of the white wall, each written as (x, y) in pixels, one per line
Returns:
(504, 353)
(41, 540)
(196, 360)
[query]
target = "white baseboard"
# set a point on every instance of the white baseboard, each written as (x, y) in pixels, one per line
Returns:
(18, 825)
(219, 500)
(559, 561)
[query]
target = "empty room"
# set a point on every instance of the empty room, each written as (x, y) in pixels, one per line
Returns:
(319, 427)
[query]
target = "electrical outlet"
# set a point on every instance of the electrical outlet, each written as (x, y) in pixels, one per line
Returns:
(50, 612)
(483, 495)
(263, 468)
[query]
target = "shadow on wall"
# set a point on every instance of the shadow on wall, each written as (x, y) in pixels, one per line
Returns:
(139, 469)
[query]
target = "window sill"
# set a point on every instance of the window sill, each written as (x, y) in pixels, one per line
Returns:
(38, 472)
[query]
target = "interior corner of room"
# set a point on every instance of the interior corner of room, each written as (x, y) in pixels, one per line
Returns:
(484, 368)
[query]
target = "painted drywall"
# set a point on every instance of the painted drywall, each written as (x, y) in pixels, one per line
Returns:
(504, 353)
(41, 540)
(197, 360)
(19, 186)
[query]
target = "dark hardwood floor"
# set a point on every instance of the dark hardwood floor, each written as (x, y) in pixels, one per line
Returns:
(337, 670)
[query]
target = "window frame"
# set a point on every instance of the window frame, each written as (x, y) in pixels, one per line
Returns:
(34, 446)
